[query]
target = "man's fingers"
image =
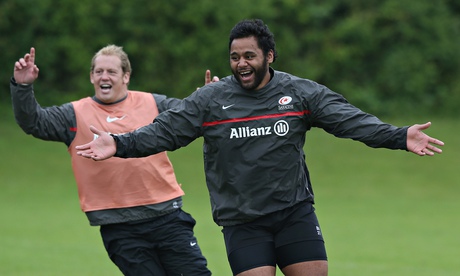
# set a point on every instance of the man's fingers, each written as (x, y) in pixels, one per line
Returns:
(84, 149)
(32, 54)
(435, 149)
(95, 130)
(97, 158)
(17, 66)
(22, 62)
(89, 154)
(207, 77)
(437, 142)
(84, 153)
(432, 145)
(424, 126)
(428, 152)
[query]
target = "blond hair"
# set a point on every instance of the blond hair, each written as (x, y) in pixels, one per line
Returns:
(113, 50)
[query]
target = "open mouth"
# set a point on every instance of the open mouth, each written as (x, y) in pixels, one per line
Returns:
(105, 87)
(246, 75)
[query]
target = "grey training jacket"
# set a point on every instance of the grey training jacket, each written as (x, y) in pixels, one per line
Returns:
(253, 140)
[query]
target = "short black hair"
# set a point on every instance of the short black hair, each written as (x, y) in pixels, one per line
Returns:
(259, 30)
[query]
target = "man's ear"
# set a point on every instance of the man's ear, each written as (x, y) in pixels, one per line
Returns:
(270, 56)
(126, 77)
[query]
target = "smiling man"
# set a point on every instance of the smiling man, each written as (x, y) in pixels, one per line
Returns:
(136, 202)
(254, 125)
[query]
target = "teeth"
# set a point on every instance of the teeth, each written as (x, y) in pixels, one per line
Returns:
(106, 86)
(245, 72)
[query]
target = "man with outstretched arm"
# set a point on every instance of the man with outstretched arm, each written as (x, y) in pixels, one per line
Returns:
(254, 124)
(136, 202)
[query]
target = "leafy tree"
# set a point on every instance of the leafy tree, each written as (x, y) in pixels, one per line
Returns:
(384, 56)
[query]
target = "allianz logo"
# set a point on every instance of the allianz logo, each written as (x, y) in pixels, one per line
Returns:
(280, 128)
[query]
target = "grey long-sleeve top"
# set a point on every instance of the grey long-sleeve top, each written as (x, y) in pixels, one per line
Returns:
(253, 140)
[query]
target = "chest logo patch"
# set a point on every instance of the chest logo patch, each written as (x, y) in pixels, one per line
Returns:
(285, 100)
(284, 103)
(227, 106)
(113, 119)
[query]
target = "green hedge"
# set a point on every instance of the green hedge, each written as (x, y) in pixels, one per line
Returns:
(384, 56)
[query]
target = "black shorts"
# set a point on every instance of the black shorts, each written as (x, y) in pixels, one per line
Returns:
(282, 238)
(159, 246)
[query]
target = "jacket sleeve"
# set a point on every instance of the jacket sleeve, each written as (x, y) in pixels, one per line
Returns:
(334, 114)
(172, 129)
(56, 123)
(164, 103)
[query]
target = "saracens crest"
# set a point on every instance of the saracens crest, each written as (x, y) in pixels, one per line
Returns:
(284, 103)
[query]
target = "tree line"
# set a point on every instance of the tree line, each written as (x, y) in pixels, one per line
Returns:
(388, 57)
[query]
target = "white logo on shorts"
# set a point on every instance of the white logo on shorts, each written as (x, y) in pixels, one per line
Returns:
(318, 231)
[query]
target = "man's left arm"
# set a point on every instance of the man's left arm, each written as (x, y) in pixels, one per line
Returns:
(337, 116)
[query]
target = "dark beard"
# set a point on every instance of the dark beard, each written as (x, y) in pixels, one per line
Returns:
(258, 76)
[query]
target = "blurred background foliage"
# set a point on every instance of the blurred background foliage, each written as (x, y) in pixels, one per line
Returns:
(389, 57)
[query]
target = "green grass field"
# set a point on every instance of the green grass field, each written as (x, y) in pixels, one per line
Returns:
(382, 212)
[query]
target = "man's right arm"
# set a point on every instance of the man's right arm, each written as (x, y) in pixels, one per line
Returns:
(139, 143)
(170, 130)
(55, 123)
